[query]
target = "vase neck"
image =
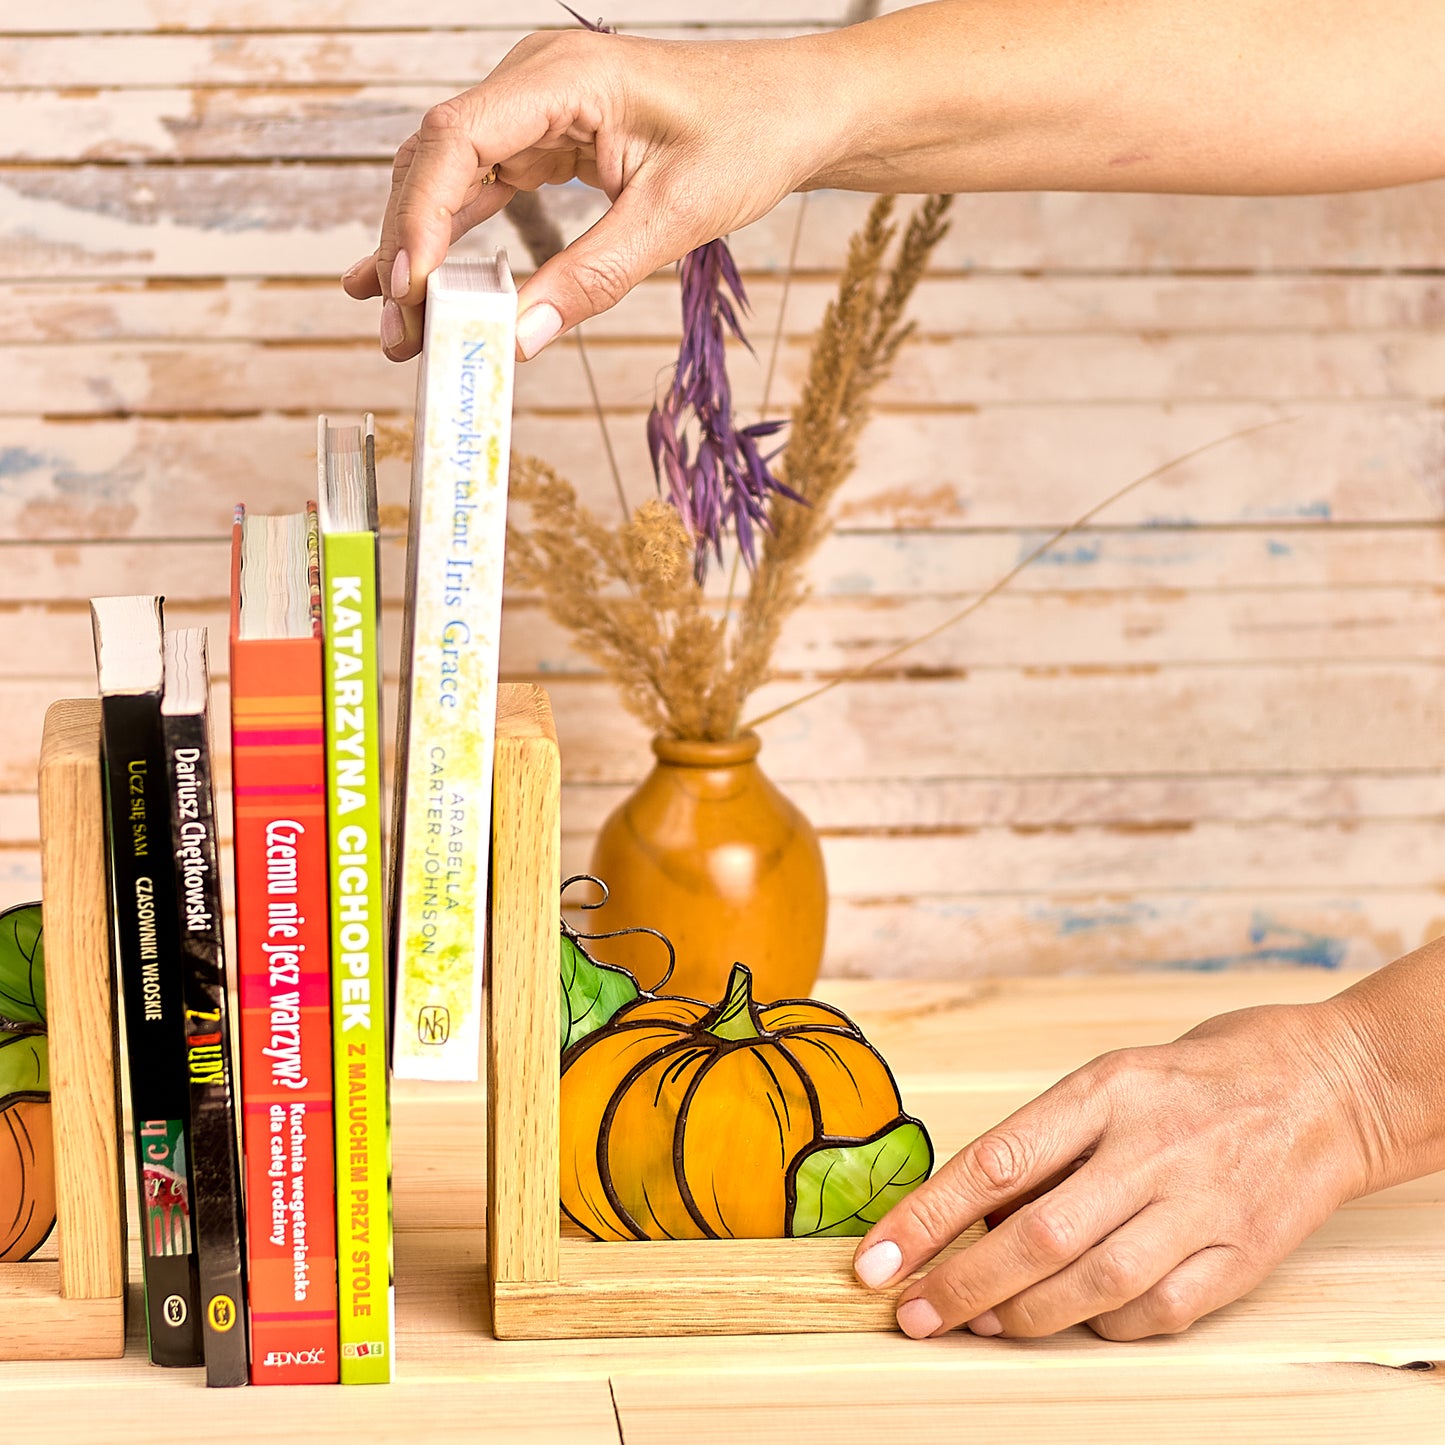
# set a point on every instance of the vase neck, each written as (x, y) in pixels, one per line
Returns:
(691, 753)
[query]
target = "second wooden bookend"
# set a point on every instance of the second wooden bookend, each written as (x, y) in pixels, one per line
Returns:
(74, 1307)
(549, 1285)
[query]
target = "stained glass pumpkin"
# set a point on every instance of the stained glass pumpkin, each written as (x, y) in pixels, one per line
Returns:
(685, 1120)
(27, 1160)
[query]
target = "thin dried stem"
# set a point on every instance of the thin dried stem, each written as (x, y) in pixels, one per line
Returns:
(856, 674)
(602, 426)
(542, 237)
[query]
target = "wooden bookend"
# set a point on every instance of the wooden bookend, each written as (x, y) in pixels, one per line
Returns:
(546, 1285)
(74, 1308)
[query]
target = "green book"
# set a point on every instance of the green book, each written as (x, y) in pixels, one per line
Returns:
(360, 1008)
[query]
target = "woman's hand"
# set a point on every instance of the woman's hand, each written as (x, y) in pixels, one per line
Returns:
(1148, 1188)
(689, 141)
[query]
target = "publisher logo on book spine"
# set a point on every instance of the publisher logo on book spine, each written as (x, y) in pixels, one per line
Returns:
(363, 1350)
(316, 1356)
(433, 1024)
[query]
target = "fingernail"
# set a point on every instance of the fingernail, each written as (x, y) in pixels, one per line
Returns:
(401, 274)
(918, 1319)
(393, 328)
(986, 1324)
(357, 267)
(878, 1263)
(536, 326)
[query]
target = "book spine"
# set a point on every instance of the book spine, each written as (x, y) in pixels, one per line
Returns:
(282, 955)
(358, 957)
(215, 1158)
(143, 896)
(444, 791)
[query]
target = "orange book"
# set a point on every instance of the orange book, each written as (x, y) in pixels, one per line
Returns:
(278, 769)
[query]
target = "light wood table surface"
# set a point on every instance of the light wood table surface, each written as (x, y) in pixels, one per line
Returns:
(1334, 1346)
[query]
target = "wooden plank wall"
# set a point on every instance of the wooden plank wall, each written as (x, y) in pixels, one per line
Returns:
(1206, 731)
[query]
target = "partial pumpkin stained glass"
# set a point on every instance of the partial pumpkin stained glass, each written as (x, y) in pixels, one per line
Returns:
(683, 1120)
(27, 1158)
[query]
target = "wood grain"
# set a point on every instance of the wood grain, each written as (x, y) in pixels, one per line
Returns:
(37, 1322)
(980, 303)
(170, 378)
(681, 1287)
(455, 57)
(1123, 566)
(179, 193)
(80, 984)
(1360, 1290)
(318, 217)
(74, 1308)
(1016, 469)
(524, 996)
(1338, 1404)
(222, 15)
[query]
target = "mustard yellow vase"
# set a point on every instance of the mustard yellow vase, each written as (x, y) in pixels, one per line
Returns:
(710, 853)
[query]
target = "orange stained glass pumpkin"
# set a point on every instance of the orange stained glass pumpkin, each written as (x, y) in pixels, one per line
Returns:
(684, 1120)
(27, 1160)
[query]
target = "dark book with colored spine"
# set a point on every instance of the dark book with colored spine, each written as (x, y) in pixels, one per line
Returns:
(360, 1011)
(215, 1152)
(130, 667)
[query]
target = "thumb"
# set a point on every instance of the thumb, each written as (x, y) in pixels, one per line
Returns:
(637, 235)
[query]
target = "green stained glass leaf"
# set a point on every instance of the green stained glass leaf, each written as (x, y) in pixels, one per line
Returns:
(591, 993)
(24, 1065)
(22, 965)
(847, 1188)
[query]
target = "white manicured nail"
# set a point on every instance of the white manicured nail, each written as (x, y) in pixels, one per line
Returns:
(400, 275)
(393, 328)
(536, 326)
(878, 1263)
(918, 1319)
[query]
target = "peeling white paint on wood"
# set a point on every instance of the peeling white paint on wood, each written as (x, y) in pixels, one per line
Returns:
(314, 219)
(1025, 467)
(977, 304)
(1205, 732)
(78, 379)
(457, 57)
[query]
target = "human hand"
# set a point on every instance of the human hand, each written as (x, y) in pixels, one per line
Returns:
(688, 141)
(1146, 1189)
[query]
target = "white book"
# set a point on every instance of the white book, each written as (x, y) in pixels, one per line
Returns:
(446, 723)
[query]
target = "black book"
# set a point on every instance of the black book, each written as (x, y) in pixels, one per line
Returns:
(143, 899)
(215, 1154)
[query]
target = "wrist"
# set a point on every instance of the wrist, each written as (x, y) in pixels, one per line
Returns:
(1390, 1080)
(1395, 1019)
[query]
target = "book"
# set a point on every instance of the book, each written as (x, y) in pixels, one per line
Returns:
(278, 767)
(214, 1152)
(360, 987)
(131, 674)
(446, 713)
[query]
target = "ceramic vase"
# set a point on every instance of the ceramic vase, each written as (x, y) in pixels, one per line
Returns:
(710, 853)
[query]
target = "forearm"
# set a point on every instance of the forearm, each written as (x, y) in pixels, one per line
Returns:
(1393, 1030)
(1230, 97)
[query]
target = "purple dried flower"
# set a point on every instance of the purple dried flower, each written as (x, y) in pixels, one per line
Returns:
(726, 483)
